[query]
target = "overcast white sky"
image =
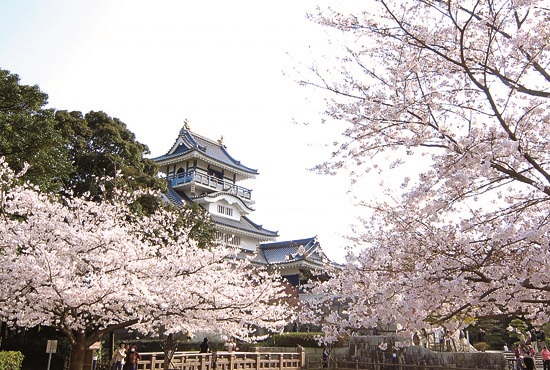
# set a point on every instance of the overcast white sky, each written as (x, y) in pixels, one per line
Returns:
(218, 64)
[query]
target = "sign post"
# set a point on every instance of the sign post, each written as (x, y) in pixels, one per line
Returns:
(51, 347)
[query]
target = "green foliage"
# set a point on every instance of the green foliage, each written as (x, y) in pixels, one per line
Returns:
(517, 324)
(203, 230)
(11, 360)
(495, 335)
(304, 339)
(91, 153)
(101, 146)
(482, 346)
(32, 343)
(28, 134)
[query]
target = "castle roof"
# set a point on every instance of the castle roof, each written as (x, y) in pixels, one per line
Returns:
(189, 144)
(292, 252)
(244, 224)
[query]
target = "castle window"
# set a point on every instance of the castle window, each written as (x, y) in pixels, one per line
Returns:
(225, 210)
(228, 238)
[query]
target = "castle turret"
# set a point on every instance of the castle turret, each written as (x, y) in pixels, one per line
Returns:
(201, 171)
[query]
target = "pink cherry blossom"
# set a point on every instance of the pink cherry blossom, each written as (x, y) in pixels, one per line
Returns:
(89, 268)
(454, 95)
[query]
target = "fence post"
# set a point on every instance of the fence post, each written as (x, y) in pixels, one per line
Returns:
(257, 359)
(302, 356)
(281, 360)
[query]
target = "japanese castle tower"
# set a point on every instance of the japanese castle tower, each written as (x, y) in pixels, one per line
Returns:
(201, 171)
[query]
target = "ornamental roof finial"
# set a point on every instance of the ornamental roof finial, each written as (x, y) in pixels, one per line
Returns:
(220, 140)
(186, 124)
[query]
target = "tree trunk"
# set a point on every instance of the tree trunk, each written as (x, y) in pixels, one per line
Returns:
(77, 357)
(169, 349)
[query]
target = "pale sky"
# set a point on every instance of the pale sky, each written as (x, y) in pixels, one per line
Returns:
(218, 64)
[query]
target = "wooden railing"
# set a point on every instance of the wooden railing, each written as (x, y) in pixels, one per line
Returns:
(203, 179)
(224, 361)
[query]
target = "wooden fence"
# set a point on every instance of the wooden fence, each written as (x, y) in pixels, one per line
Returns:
(224, 361)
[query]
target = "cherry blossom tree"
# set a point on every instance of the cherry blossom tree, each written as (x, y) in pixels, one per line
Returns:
(88, 268)
(448, 100)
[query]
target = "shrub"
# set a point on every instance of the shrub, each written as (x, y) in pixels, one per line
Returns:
(482, 346)
(11, 360)
(305, 339)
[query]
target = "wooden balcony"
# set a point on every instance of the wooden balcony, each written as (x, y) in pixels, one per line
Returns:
(202, 179)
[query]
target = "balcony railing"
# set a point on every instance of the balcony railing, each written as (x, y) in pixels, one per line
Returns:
(203, 179)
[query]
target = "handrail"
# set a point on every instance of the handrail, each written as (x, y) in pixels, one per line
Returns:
(202, 178)
(224, 360)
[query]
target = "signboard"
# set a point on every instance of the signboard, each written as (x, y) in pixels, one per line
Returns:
(51, 347)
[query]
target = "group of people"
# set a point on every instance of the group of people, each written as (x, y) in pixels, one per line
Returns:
(230, 346)
(126, 357)
(441, 340)
(527, 362)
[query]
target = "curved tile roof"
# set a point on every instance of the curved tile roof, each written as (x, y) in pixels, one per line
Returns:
(187, 141)
(244, 224)
(242, 203)
(292, 251)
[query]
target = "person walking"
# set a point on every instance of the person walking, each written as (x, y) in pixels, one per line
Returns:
(545, 353)
(519, 357)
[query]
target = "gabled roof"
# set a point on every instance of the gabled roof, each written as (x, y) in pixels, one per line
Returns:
(188, 143)
(243, 224)
(228, 197)
(293, 251)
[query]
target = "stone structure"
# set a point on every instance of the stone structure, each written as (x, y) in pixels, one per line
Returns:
(391, 350)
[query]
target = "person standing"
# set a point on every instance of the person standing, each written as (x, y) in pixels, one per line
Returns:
(132, 358)
(533, 335)
(231, 346)
(119, 356)
(416, 338)
(204, 347)
(519, 357)
(545, 353)
(480, 335)
(529, 363)
(424, 338)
